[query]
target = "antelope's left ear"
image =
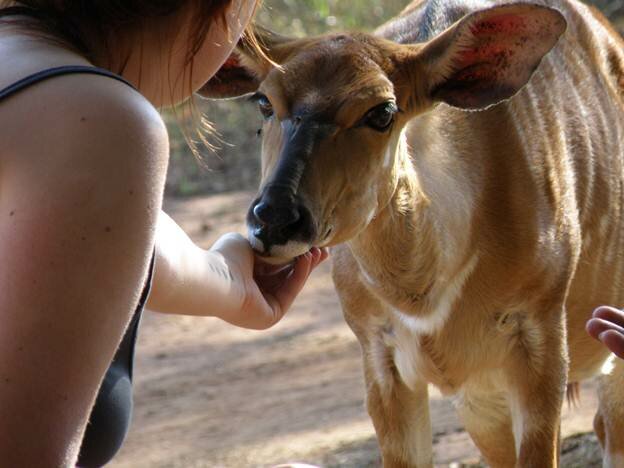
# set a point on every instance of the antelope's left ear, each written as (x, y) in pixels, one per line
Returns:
(488, 56)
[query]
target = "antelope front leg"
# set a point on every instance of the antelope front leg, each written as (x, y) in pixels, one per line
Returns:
(485, 413)
(537, 375)
(401, 419)
(400, 414)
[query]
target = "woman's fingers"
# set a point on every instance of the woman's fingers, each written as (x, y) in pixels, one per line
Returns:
(280, 289)
(324, 254)
(607, 325)
(610, 314)
(316, 257)
(596, 326)
(320, 255)
(604, 318)
(614, 341)
(283, 296)
(270, 282)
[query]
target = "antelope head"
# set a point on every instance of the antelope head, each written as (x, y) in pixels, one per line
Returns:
(335, 108)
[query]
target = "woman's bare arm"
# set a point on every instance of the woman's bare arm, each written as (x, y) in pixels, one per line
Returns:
(78, 205)
(186, 277)
(221, 282)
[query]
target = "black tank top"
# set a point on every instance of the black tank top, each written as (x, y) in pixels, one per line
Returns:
(110, 416)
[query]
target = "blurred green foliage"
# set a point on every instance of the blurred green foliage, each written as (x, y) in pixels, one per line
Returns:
(307, 17)
(234, 164)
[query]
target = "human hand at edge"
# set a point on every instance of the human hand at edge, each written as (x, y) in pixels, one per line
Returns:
(266, 293)
(607, 325)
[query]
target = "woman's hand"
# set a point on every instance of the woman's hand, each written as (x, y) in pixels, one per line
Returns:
(607, 325)
(228, 281)
(263, 292)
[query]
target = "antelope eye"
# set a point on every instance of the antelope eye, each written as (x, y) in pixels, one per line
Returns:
(381, 117)
(266, 109)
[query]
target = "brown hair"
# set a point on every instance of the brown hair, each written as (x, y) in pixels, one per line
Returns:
(65, 21)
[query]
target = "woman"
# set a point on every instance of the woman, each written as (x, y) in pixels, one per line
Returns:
(83, 158)
(607, 325)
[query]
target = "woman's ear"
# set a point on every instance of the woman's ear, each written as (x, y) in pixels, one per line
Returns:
(248, 65)
(487, 56)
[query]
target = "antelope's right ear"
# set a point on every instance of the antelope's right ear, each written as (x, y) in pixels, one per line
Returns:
(248, 65)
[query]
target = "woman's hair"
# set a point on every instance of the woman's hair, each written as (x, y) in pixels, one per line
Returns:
(65, 21)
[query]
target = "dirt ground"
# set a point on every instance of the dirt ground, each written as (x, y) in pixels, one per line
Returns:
(210, 395)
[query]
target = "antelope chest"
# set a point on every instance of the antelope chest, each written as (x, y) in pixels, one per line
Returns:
(466, 351)
(453, 355)
(415, 322)
(418, 359)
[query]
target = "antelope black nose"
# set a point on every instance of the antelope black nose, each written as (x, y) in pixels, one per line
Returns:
(276, 222)
(272, 215)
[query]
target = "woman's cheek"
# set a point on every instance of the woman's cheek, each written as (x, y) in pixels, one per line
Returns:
(220, 42)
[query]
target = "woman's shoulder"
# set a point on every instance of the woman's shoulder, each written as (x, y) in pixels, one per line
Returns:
(74, 111)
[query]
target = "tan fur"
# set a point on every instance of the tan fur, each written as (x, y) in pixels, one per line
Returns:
(472, 247)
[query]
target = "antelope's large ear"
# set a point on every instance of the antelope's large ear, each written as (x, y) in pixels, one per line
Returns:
(488, 56)
(245, 69)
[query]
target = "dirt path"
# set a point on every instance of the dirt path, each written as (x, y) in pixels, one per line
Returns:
(210, 395)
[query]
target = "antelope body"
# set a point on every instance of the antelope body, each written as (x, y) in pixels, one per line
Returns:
(471, 180)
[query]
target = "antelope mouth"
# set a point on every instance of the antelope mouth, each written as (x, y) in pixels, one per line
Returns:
(278, 255)
(279, 233)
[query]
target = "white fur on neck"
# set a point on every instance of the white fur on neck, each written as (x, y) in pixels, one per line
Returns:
(441, 303)
(517, 420)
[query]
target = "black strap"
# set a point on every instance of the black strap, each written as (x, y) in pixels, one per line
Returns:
(58, 71)
(125, 353)
(112, 413)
